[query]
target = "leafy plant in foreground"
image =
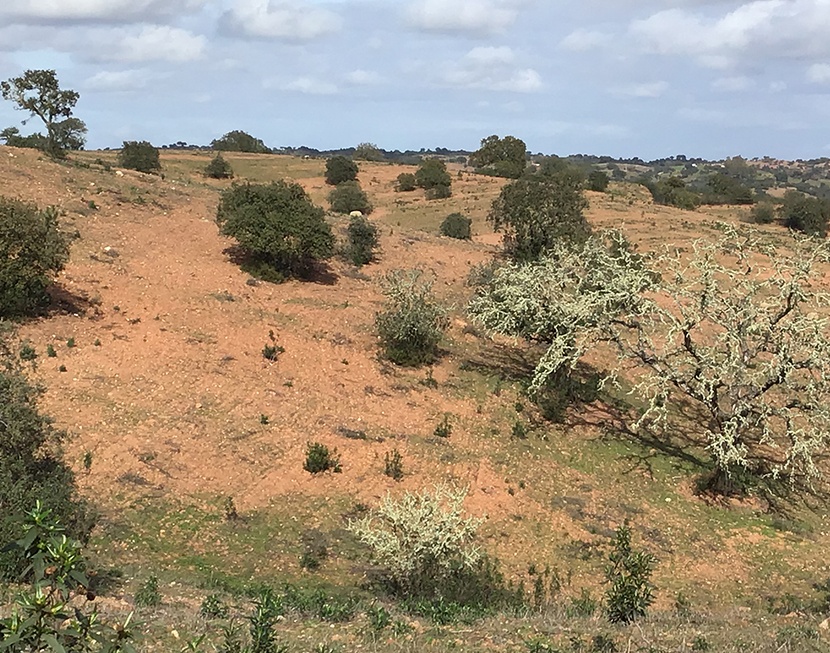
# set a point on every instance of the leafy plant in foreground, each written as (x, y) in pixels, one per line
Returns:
(630, 591)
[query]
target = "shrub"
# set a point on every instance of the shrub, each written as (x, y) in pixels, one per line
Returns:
(762, 213)
(340, 169)
(598, 181)
(538, 213)
(32, 468)
(277, 225)
(438, 192)
(444, 428)
(432, 173)
(319, 458)
(33, 250)
(368, 152)
(406, 182)
(501, 157)
(630, 591)
(139, 155)
(148, 595)
(363, 240)
(219, 168)
(214, 608)
(808, 215)
(419, 540)
(393, 465)
(412, 323)
(673, 192)
(347, 196)
(456, 225)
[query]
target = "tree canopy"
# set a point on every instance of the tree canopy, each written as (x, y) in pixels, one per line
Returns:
(239, 141)
(502, 157)
(39, 93)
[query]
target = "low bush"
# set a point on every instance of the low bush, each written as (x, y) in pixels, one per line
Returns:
(598, 181)
(630, 591)
(340, 169)
(762, 213)
(456, 225)
(363, 241)
(406, 182)
(219, 168)
(440, 192)
(319, 458)
(33, 249)
(412, 322)
(140, 156)
(348, 196)
(432, 173)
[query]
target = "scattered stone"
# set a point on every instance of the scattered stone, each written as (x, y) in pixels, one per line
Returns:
(111, 252)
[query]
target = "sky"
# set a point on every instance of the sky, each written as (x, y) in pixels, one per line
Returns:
(625, 78)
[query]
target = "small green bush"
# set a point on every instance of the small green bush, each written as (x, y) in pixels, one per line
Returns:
(348, 196)
(33, 249)
(148, 595)
(630, 591)
(219, 168)
(444, 428)
(340, 169)
(272, 352)
(412, 322)
(27, 352)
(139, 155)
(393, 465)
(214, 608)
(432, 173)
(363, 240)
(406, 182)
(319, 458)
(277, 226)
(440, 192)
(50, 351)
(598, 181)
(456, 225)
(762, 213)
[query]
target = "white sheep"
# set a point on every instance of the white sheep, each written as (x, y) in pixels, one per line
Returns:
(356, 214)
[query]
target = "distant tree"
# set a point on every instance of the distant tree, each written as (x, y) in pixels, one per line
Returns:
(598, 181)
(39, 93)
(438, 192)
(808, 215)
(340, 169)
(502, 157)
(456, 225)
(347, 197)
(33, 249)
(140, 156)
(11, 137)
(239, 141)
(406, 182)
(762, 213)
(219, 168)
(539, 212)
(368, 152)
(724, 189)
(432, 173)
(672, 191)
(277, 224)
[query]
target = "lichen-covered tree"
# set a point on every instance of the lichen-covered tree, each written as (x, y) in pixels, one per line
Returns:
(736, 329)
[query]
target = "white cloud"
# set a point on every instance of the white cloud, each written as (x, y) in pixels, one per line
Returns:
(306, 85)
(733, 84)
(94, 10)
(289, 20)
(582, 40)
(361, 77)
(645, 90)
(475, 16)
(819, 73)
(121, 80)
(160, 43)
(491, 68)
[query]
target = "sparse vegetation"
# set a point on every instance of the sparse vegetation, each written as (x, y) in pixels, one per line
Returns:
(148, 594)
(432, 174)
(239, 141)
(319, 458)
(500, 157)
(393, 465)
(630, 590)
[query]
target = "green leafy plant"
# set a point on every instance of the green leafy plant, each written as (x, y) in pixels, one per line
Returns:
(456, 225)
(27, 352)
(319, 458)
(272, 352)
(340, 169)
(52, 614)
(440, 192)
(50, 351)
(412, 322)
(140, 156)
(393, 465)
(33, 249)
(630, 591)
(277, 226)
(70, 343)
(500, 157)
(598, 181)
(214, 608)
(148, 594)
(432, 173)
(362, 240)
(348, 196)
(219, 168)
(239, 141)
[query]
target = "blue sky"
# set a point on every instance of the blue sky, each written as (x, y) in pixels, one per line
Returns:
(704, 78)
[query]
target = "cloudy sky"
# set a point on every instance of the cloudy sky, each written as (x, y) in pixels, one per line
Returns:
(650, 78)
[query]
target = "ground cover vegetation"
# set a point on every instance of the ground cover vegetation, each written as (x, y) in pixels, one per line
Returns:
(606, 425)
